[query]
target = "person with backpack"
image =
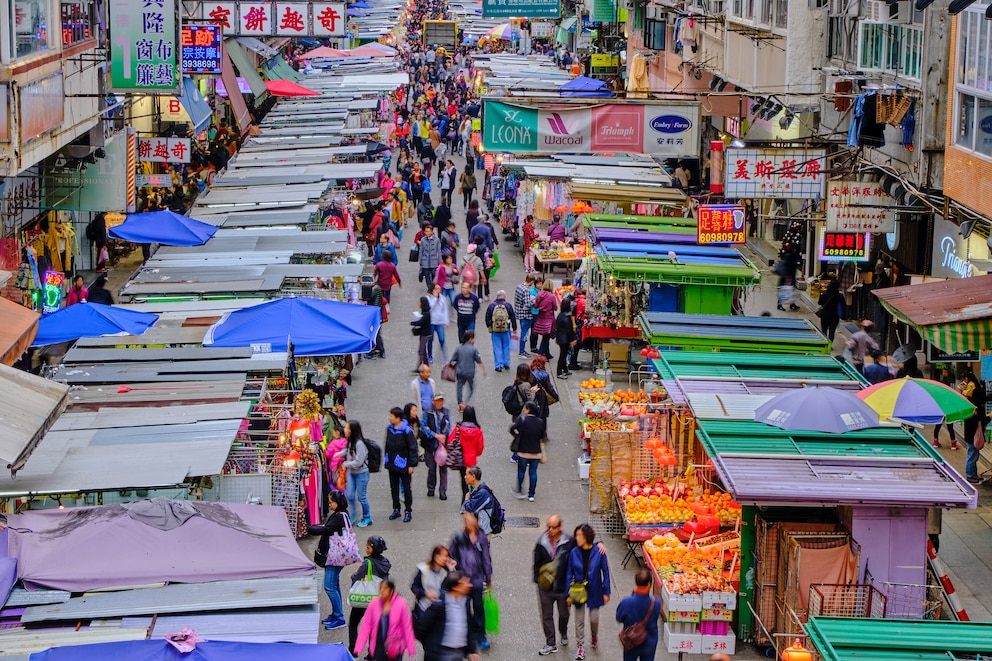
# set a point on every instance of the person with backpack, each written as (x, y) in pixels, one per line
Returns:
(470, 551)
(465, 358)
(356, 462)
(639, 614)
(501, 320)
(530, 433)
(588, 581)
(483, 502)
(465, 445)
(400, 452)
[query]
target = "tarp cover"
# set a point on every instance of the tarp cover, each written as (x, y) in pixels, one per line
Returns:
(164, 227)
(583, 86)
(159, 650)
(91, 320)
(314, 326)
(195, 105)
(88, 548)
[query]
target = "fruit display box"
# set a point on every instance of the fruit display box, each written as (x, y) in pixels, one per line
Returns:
(717, 615)
(712, 644)
(723, 600)
(676, 602)
(676, 641)
(725, 541)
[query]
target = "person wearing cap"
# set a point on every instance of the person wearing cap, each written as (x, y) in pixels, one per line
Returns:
(375, 546)
(862, 344)
(501, 320)
(436, 427)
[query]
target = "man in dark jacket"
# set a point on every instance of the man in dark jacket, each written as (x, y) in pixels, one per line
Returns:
(641, 606)
(551, 554)
(448, 633)
(435, 431)
(470, 551)
(400, 456)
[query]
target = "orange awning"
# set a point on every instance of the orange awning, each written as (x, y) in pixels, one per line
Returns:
(18, 326)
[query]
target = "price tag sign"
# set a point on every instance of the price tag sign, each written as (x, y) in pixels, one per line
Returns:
(720, 224)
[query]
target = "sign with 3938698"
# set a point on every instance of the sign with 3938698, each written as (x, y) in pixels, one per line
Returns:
(201, 48)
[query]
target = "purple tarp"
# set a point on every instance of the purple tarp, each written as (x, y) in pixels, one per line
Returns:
(153, 541)
(639, 236)
(158, 650)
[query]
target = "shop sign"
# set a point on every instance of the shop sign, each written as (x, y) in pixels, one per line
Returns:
(101, 186)
(844, 246)
(41, 106)
(669, 130)
(222, 14)
(255, 18)
(20, 198)
(935, 355)
(521, 8)
(720, 224)
(953, 256)
(52, 292)
(293, 19)
(201, 48)
(144, 46)
(542, 29)
(163, 150)
(328, 19)
(154, 180)
(782, 173)
(858, 206)
(172, 110)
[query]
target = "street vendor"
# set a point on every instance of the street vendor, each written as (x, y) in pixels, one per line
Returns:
(556, 231)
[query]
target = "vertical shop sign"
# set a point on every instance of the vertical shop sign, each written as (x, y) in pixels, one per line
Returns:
(201, 47)
(328, 19)
(783, 173)
(144, 45)
(52, 292)
(859, 206)
(255, 18)
(222, 14)
(720, 224)
(293, 19)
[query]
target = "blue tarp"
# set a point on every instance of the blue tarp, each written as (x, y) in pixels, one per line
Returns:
(164, 227)
(195, 105)
(314, 326)
(583, 86)
(91, 320)
(159, 650)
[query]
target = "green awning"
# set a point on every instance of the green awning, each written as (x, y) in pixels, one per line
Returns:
(278, 69)
(568, 23)
(245, 69)
(708, 332)
(852, 639)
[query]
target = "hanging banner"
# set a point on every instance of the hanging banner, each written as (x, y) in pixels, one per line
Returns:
(720, 224)
(222, 14)
(844, 246)
(293, 18)
(201, 48)
(857, 206)
(782, 173)
(521, 8)
(163, 150)
(665, 129)
(144, 46)
(329, 19)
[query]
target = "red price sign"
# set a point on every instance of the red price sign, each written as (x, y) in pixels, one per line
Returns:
(845, 246)
(720, 223)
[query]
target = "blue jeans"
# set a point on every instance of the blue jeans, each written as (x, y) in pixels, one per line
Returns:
(525, 325)
(437, 329)
(460, 385)
(358, 484)
(464, 324)
(971, 460)
(450, 293)
(501, 349)
(522, 466)
(332, 586)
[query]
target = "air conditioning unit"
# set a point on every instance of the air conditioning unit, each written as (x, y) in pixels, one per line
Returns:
(843, 7)
(879, 11)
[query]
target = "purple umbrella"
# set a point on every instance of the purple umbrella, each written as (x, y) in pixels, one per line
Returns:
(817, 409)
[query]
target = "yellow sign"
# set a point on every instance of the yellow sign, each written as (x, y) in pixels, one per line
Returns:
(605, 60)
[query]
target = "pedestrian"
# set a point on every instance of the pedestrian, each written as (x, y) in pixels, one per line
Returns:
(421, 328)
(375, 546)
(376, 299)
(522, 304)
(470, 551)
(471, 215)
(530, 433)
(465, 358)
(430, 254)
(588, 581)
(501, 320)
(438, 304)
(474, 269)
(529, 239)
(480, 499)
(641, 607)
(386, 628)
(428, 582)
(447, 623)
(468, 184)
(564, 337)
(466, 444)
(545, 393)
(861, 344)
(400, 457)
(550, 570)
(77, 293)
(948, 380)
(556, 231)
(356, 462)
(98, 292)
(971, 388)
(448, 276)
(435, 431)
(877, 371)
(785, 269)
(385, 274)
(423, 387)
(466, 306)
(442, 216)
(448, 174)
(544, 323)
(833, 308)
(336, 523)
(482, 235)
(384, 246)
(450, 241)
(579, 318)
(535, 288)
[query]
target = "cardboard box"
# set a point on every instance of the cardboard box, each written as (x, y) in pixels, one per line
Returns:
(690, 643)
(717, 615)
(727, 600)
(724, 644)
(680, 602)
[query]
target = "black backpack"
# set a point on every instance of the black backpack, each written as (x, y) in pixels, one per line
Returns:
(497, 517)
(511, 400)
(374, 460)
(91, 231)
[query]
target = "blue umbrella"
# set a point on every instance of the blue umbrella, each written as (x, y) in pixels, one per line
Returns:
(817, 409)
(163, 227)
(360, 5)
(91, 320)
(315, 327)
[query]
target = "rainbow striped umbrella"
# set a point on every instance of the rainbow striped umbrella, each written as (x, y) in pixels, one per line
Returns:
(917, 400)
(503, 32)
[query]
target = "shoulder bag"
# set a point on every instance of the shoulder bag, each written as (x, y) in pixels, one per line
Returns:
(456, 455)
(578, 591)
(364, 591)
(342, 549)
(634, 636)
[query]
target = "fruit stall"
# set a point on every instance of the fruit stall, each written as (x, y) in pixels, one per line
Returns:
(713, 332)
(548, 255)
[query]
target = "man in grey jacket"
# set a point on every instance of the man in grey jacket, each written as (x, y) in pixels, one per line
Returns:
(550, 561)
(430, 254)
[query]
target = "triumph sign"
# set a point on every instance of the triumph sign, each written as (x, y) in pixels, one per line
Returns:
(669, 129)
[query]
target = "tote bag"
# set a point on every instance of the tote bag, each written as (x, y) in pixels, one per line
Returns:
(364, 591)
(342, 549)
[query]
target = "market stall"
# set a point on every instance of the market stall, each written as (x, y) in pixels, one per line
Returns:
(708, 332)
(848, 638)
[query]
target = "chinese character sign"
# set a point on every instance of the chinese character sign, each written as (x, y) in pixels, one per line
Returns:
(144, 45)
(720, 223)
(844, 246)
(293, 18)
(163, 150)
(51, 292)
(223, 15)
(255, 18)
(201, 46)
(788, 173)
(857, 206)
(328, 19)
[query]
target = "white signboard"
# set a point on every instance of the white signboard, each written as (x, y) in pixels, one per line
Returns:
(293, 19)
(328, 19)
(153, 180)
(255, 18)
(224, 14)
(784, 173)
(857, 206)
(163, 150)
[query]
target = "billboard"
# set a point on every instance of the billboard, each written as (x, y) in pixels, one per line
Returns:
(201, 48)
(720, 224)
(520, 8)
(144, 46)
(859, 206)
(243, 18)
(664, 129)
(782, 173)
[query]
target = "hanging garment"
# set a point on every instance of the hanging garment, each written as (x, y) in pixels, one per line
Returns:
(909, 125)
(872, 132)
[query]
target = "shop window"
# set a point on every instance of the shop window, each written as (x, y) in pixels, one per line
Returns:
(77, 21)
(31, 26)
(972, 51)
(655, 32)
(894, 49)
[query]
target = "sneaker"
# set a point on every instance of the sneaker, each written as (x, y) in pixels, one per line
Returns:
(936, 443)
(407, 517)
(327, 620)
(335, 624)
(580, 653)
(974, 480)
(365, 523)
(430, 494)
(595, 643)
(564, 641)
(530, 498)
(546, 650)
(395, 515)
(524, 354)
(793, 307)
(484, 646)
(518, 494)
(955, 446)
(562, 376)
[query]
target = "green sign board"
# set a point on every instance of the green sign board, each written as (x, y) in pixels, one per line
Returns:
(100, 186)
(144, 46)
(521, 8)
(603, 11)
(509, 128)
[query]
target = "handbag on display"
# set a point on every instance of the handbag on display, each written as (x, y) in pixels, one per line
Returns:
(342, 549)
(364, 591)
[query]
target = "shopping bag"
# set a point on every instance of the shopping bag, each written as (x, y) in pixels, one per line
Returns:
(342, 549)
(364, 591)
(441, 455)
(491, 609)
(495, 267)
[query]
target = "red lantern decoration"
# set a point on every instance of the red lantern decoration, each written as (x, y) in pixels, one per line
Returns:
(299, 427)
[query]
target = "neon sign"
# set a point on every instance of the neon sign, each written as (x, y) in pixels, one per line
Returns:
(52, 292)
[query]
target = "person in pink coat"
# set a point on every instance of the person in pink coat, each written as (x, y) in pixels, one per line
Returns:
(391, 642)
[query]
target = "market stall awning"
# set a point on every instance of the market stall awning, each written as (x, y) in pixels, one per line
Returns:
(194, 104)
(213, 650)
(244, 66)
(18, 327)
(677, 272)
(163, 227)
(91, 320)
(954, 315)
(257, 46)
(624, 193)
(240, 109)
(711, 332)
(857, 639)
(278, 69)
(764, 465)
(30, 406)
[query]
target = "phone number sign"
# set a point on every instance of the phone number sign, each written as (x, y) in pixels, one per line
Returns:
(201, 46)
(845, 246)
(720, 223)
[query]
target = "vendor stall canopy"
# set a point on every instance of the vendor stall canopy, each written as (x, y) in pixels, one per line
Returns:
(160, 650)
(713, 332)
(855, 639)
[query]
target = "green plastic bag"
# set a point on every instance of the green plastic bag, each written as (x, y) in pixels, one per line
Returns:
(495, 267)
(491, 609)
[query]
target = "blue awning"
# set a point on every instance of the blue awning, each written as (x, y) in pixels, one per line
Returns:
(194, 104)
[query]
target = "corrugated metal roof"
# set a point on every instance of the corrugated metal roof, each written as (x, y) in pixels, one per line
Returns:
(298, 624)
(851, 639)
(182, 597)
(30, 407)
(943, 302)
(21, 597)
(733, 333)
(790, 370)
(19, 641)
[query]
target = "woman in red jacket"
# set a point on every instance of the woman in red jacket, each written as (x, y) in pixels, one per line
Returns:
(465, 444)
